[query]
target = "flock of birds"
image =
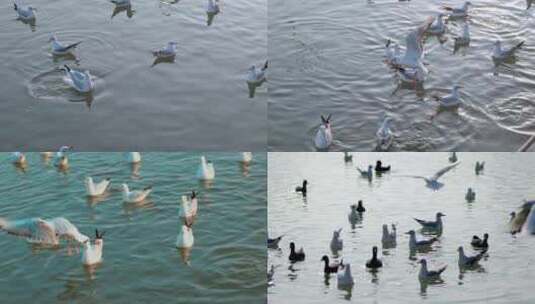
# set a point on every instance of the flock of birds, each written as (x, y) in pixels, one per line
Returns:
(49, 232)
(83, 82)
(411, 69)
(524, 221)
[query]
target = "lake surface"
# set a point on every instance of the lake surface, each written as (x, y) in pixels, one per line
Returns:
(506, 275)
(141, 263)
(328, 58)
(201, 101)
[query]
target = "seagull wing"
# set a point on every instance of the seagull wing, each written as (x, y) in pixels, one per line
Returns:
(444, 170)
(414, 51)
(64, 228)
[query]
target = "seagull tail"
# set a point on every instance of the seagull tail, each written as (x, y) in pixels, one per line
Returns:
(441, 270)
(67, 68)
(147, 188)
(519, 45)
(265, 66)
(388, 43)
(72, 46)
(15, 7)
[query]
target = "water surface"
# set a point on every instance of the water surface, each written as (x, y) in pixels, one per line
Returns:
(141, 263)
(506, 274)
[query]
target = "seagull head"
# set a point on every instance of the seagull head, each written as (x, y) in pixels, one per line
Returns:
(422, 261)
(440, 214)
(460, 249)
(410, 232)
(52, 38)
(326, 121)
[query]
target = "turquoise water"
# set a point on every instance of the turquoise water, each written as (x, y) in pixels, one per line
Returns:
(506, 275)
(141, 263)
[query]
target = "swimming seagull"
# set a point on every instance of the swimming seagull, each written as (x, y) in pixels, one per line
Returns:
(524, 220)
(206, 171)
(270, 274)
(480, 166)
(189, 207)
(469, 261)
(499, 54)
(166, 52)
(274, 243)
(436, 224)
(345, 278)
(470, 195)
(60, 158)
(185, 237)
(437, 27)
(135, 196)
(95, 189)
(336, 242)
(302, 188)
(212, 9)
(426, 274)
(374, 262)
(329, 268)
(133, 157)
(296, 256)
(384, 135)
(60, 49)
(366, 174)
(432, 181)
(451, 100)
(354, 216)
(25, 14)
(19, 159)
(415, 244)
(324, 136)
(464, 39)
(257, 75)
(414, 51)
(389, 238)
(453, 157)
(479, 243)
(348, 157)
(80, 81)
(412, 75)
(246, 157)
(458, 12)
(41, 231)
(92, 253)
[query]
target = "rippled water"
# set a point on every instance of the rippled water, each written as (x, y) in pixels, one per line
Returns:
(140, 263)
(506, 275)
(328, 58)
(199, 101)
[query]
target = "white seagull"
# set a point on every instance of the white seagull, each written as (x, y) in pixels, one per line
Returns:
(366, 173)
(392, 54)
(246, 157)
(451, 100)
(80, 81)
(384, 135)
(464, 39)
(436, 224)
(437, 27)
(133, 157)
(60, 49)
(426, 274)
(415, 244)
(206, 170)
(135, 196)
(389, 238)
(96, 189)
(345, 278)
(41, 231)
(185, 237)
(324, 136)
(166, 52)
(469, 261)
(92, 253)
(25, 14)
(256, 76)
(337, 243)
(432, 181)
(499, 54)
(189, 207)
(19, 159)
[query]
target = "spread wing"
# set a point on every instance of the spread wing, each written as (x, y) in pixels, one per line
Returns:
(414, 51)
(444, 170)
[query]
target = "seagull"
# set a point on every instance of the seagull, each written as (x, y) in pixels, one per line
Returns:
(451, 100)
(60, 49)
(96, 189)
(524, 220)
(256, 76)
(92, 253)
(296, 256)
(354, 216)
(392, 55)
(348, 157)
(480, 243)
(303, 188)
(246, 157)
(384, 135)
(458, 12)
(432, 181)
(337, 243)
(464, 39)
(414, 51)
(415, 244)
(480, 166)
(360, 208)
(329, 268)
(469, 261)
(166, 52)
(412, 75)
(60, 158)
(212, 9)
(185, 237)
(324, 136)
(470, 195)
(437, 27)
(366, 174)
(437, 224)
(206, 171)
(389, 238)
(499, 54)
(274, 243)
(345, 278)
(135, 196)
(271, 273)
(189, 207)
(426, 274)
(25, 14)
(453, 157)
(80, 81)
(374, 262)
(133, 157)
(41, 231)
(19, 159)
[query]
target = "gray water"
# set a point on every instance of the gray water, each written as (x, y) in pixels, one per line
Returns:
(201, 101)
(140, 261)
(328, 58)
(506, 274)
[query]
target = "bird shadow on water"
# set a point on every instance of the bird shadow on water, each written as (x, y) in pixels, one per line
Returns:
(158, 60)
(31, 23)
(424, 284)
